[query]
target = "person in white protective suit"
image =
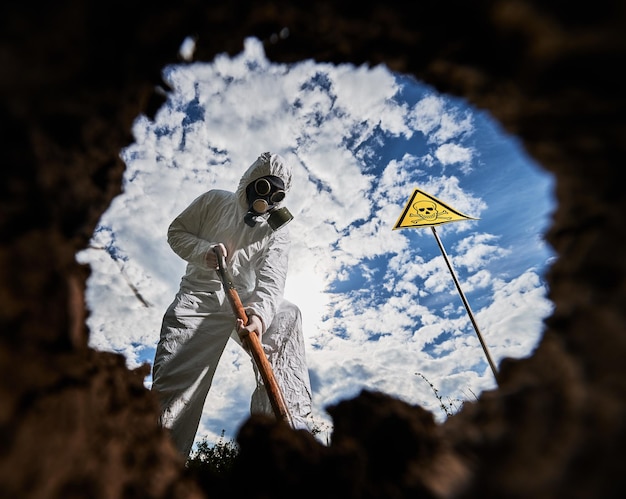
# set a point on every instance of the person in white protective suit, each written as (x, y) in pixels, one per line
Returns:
(250, 224)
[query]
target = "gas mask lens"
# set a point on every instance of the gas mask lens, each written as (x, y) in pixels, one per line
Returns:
(263, 188)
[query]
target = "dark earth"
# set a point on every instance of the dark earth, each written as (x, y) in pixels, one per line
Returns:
(76, 423)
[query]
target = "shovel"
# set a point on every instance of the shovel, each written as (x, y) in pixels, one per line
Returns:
(253, 343)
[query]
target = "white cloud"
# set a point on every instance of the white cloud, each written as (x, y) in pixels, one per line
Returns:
(440, 120)
(453, 154)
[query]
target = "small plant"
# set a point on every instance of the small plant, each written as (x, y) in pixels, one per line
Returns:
(217, 459)
(318, 429)
(449, 407)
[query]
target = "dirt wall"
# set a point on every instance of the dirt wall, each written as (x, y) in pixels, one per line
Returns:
(77, 423)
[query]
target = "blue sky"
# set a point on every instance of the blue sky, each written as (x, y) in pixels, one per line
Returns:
(380, 308)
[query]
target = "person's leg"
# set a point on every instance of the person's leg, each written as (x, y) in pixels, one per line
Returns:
(191, 344)
(283, 343)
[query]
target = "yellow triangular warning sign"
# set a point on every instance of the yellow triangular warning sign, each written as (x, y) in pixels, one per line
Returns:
(424, 210)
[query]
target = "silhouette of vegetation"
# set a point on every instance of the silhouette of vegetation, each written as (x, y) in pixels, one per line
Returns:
(214, 459)
(317, 429)
(449, 407)
(212, 463)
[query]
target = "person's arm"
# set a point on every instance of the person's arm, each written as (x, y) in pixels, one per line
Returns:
(183, 234)
(271, 270)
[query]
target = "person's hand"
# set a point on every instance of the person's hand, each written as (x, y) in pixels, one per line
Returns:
(211, 259)
(255, 325)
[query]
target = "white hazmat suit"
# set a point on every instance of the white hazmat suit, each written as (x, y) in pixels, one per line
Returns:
(200, 320)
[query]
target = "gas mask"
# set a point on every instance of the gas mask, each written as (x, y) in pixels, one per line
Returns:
(263, 196)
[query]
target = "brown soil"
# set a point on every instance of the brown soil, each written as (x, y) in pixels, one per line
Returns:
(78, 423)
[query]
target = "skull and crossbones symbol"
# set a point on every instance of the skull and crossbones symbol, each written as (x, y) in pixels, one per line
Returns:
(427, 210)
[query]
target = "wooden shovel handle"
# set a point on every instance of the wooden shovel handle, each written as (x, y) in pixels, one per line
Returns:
(253, 343)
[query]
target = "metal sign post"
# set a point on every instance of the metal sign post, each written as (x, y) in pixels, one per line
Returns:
(424, 210)
(465, 302)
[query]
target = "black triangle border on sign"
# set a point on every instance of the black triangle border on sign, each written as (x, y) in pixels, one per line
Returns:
(409, 204)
